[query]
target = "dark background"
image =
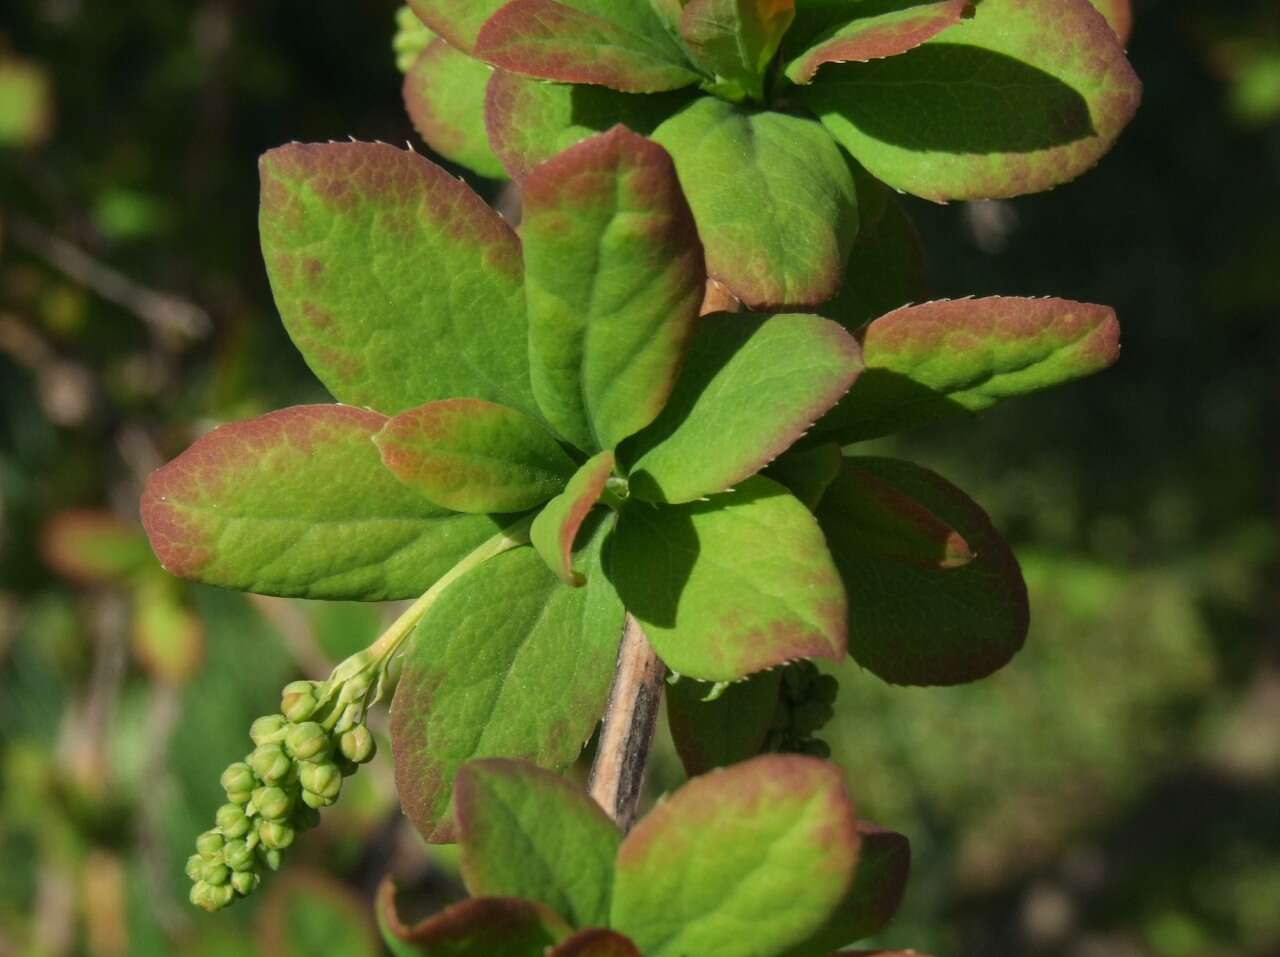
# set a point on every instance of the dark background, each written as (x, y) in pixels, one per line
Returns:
(1115, 791)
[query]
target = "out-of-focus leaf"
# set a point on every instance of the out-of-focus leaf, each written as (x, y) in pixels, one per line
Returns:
(167, 636)
(26, 103)
(307, 914)
(93, 547)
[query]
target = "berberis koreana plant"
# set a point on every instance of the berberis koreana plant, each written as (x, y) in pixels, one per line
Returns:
(542, 435)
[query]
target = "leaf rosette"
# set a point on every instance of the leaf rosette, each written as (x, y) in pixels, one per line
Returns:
(762, 103)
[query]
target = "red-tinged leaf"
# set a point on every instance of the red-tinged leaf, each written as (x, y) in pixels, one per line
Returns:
(474, 456)
(1017, 99)
(884, 863)
(614, 277)
(879, 953)
(946, 358)
(306, 914)
(91, 547)
(396, 282)
(1119, 14)
(725, 730)
(298, 503)
(915, 624)
(876, 36)
(444, 94)
(458, 21)
(596, 942)
(555, 530)
(480, 927)
(743, 861)
(735, 41)
(620, 44)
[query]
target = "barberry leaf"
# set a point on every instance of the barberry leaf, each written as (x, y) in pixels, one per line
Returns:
(26, 103)
(916, 623)
(735, 40)
(808, 472)
(458, 21)
(480, 927)
(298, 503)
(884, 861)
(93, 547)
(508, 663)
(165, 634)
(525, 832)
(773, 196)
(306, 914)
(750, 387)
(730, 864)
(946, 358)
(1017, 99)
(555, 530)
(473, 456)
(397, 283)
(444, 94)
(725, 730)
(746, 582)
(615, 278)
(595, 942)
(1119, 14)
(532, 120)
(863, 31)
(621, 44)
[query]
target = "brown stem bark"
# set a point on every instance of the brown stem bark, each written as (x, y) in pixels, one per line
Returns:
(617, 776)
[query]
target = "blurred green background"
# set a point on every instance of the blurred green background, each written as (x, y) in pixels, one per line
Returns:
(1113, 792)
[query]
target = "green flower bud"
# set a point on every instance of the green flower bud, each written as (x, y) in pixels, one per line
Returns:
(322, 778)
(781, 716)
(299, 701)
(220, 896)
(238, 856)
(209, 844)
(274, 804)
(270, 763)
(305, 817)
(238, 781)
(195, 867)
(810, 717)
(308, 741)
(270, 857)
(215, 873)
(200, 895)
(315, 801)
(232, 821)
(244, 882)
(825, 689)
(268, 729)
(357, 745)
(276, 835)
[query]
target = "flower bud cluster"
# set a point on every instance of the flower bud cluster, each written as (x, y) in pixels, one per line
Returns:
(804, 708)
(299, 760)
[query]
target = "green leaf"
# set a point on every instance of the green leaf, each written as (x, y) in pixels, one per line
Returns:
(555, 530)
(807, 473)
(458, 21)
(730, 586)
(596, 942)
(726, 730)
(165, 634)
(946, 358)
(864, 31)
(615, 278)
(918, 623)
(1119, 14)
(735, 40)
(480, 927)
(397, 283)
(298, 503)
(91, 547)
(739, 863)
(751, 386)
(530, 121)
(528, 833)
(474, 456)
(620, 44)
(26, 103)
(508, 663)
(444, 93)
(307, 914)
(1017, 99)
(774, 200)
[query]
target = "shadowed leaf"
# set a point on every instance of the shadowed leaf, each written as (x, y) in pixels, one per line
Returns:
(914, 623)
(298, 503)
(750, 387)
(525, 832)
(807, 473)
(746, 583)
(735, 40)
(744, 861)
(480, 927)
(473, 456)
(396, 282)
(444, 94)
(729, 729)
(555, 530)
(595, 943)
(615, 278)
(773, 196)
(1016, 99)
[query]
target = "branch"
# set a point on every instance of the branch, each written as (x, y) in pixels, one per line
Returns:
(617, 776)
